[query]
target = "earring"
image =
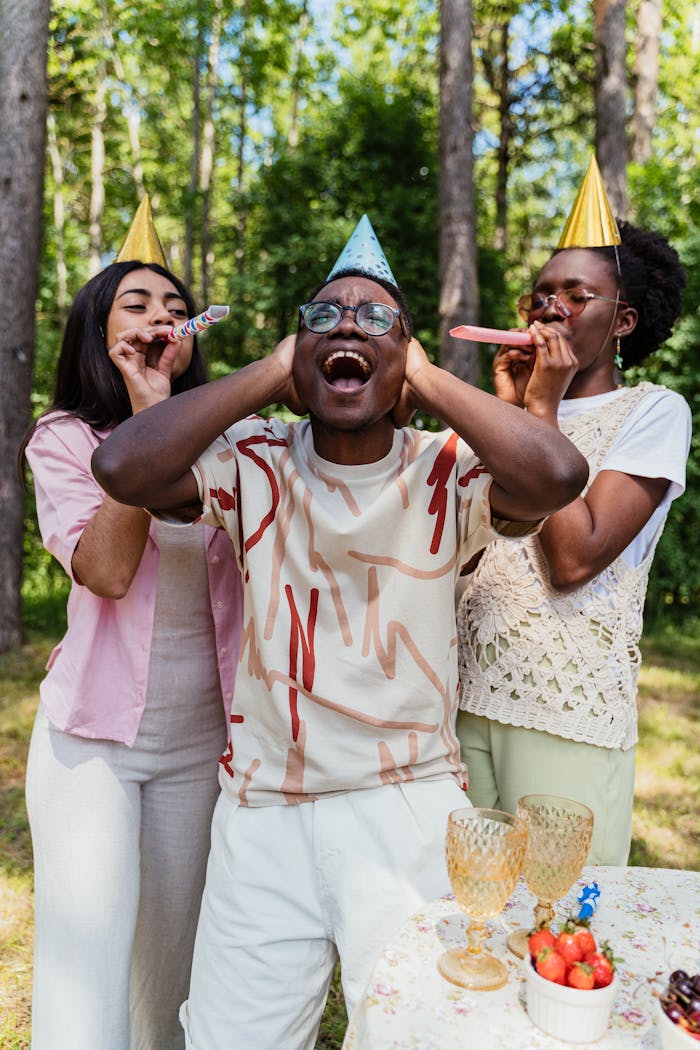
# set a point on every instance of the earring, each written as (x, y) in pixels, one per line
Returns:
(618, 355)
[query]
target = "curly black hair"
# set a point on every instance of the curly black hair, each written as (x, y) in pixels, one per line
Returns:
(652, 282)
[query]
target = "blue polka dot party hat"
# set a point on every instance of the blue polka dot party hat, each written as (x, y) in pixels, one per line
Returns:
(363, 252)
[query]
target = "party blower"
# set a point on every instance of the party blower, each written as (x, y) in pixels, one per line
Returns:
(491, 335)
(200, 323)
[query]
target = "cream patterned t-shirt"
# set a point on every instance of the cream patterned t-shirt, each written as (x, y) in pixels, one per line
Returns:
(348, 665)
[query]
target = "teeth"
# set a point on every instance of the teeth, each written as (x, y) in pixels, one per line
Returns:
(340, 355)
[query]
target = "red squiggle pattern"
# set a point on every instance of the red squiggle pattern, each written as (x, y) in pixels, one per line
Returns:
(245, 447)
(439, 476)
(471, 475)
(308, 656)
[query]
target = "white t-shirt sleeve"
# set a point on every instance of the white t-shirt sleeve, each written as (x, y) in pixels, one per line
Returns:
(654, 441)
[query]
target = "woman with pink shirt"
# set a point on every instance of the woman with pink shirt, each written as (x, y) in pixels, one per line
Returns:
(122, 770)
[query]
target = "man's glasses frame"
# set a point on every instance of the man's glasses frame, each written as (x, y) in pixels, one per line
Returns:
(364, 315)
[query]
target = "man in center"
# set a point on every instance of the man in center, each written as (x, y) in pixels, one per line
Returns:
(351, 531)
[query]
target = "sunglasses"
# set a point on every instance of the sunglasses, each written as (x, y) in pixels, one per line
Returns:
(372, 318)
(569, 302)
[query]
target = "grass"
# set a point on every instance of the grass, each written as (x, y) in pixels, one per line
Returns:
(666, 823)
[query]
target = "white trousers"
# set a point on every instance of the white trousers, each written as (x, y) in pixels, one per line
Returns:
(120, 839)
(291, 888)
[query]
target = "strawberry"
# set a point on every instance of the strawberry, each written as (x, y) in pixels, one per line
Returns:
(585, 940)
(568, 947)
(551, 966)
(580, 975)
(583, 935)
(603, 968)
(540, 939)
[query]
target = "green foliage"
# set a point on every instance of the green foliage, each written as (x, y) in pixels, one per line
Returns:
(323, 111)
(45, 585)
(674, 586)
(309, 199)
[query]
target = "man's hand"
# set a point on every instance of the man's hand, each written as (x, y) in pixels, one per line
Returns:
(146, 369)
(405, 408)
(283, 355)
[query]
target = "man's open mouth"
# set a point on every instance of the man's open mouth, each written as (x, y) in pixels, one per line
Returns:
(346, 370)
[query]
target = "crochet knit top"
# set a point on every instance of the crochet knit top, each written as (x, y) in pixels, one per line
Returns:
(563, 663)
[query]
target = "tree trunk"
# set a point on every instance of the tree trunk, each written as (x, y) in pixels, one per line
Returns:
(193, 195)
(59, 221)
(459, 289)
(646, 76)
(208, 151)
(241, 216)
(297, 76)
(24, 28)
(611, 100)
(97, 169)
(501, 231)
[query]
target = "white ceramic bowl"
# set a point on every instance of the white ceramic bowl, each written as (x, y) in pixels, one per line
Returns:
(572, 1014)
(673, 1037)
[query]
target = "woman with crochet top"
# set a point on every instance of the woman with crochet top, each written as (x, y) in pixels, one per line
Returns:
(549, 626)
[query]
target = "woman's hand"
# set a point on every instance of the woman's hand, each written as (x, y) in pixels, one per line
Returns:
(145, 363)
(512, 368)
(405, 408)
(536, 378)
(555, 365)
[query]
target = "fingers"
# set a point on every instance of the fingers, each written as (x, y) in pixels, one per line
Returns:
(145, 333)
(551, 347)
(123, 351)
(416, 359)
(506, 356)
(288, 344)
(283, 355)
(164, 357)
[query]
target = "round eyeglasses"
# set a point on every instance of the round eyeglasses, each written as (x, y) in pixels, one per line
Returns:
(569, 302)
(372, 318)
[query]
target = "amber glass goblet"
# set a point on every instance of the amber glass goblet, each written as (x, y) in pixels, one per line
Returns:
(485, 852)
(559, 837)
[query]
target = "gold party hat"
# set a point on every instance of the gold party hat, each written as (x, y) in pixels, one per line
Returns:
(141, 242)
(591, 223)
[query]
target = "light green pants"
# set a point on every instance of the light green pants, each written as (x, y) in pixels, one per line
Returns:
(505, 762)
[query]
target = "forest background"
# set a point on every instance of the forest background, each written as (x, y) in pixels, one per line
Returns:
(263, 130)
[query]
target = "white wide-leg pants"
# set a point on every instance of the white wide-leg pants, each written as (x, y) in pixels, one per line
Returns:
(291, 888)
(121, 837)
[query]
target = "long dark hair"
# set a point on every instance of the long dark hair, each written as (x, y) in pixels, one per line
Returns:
(88, 385)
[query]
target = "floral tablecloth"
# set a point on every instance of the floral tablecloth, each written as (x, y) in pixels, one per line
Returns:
(651, 916)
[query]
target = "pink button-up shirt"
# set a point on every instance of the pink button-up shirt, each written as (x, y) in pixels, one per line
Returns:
(98, 673)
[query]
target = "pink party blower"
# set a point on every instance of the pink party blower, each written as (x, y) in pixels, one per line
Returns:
(491, 335)
(199, 323)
